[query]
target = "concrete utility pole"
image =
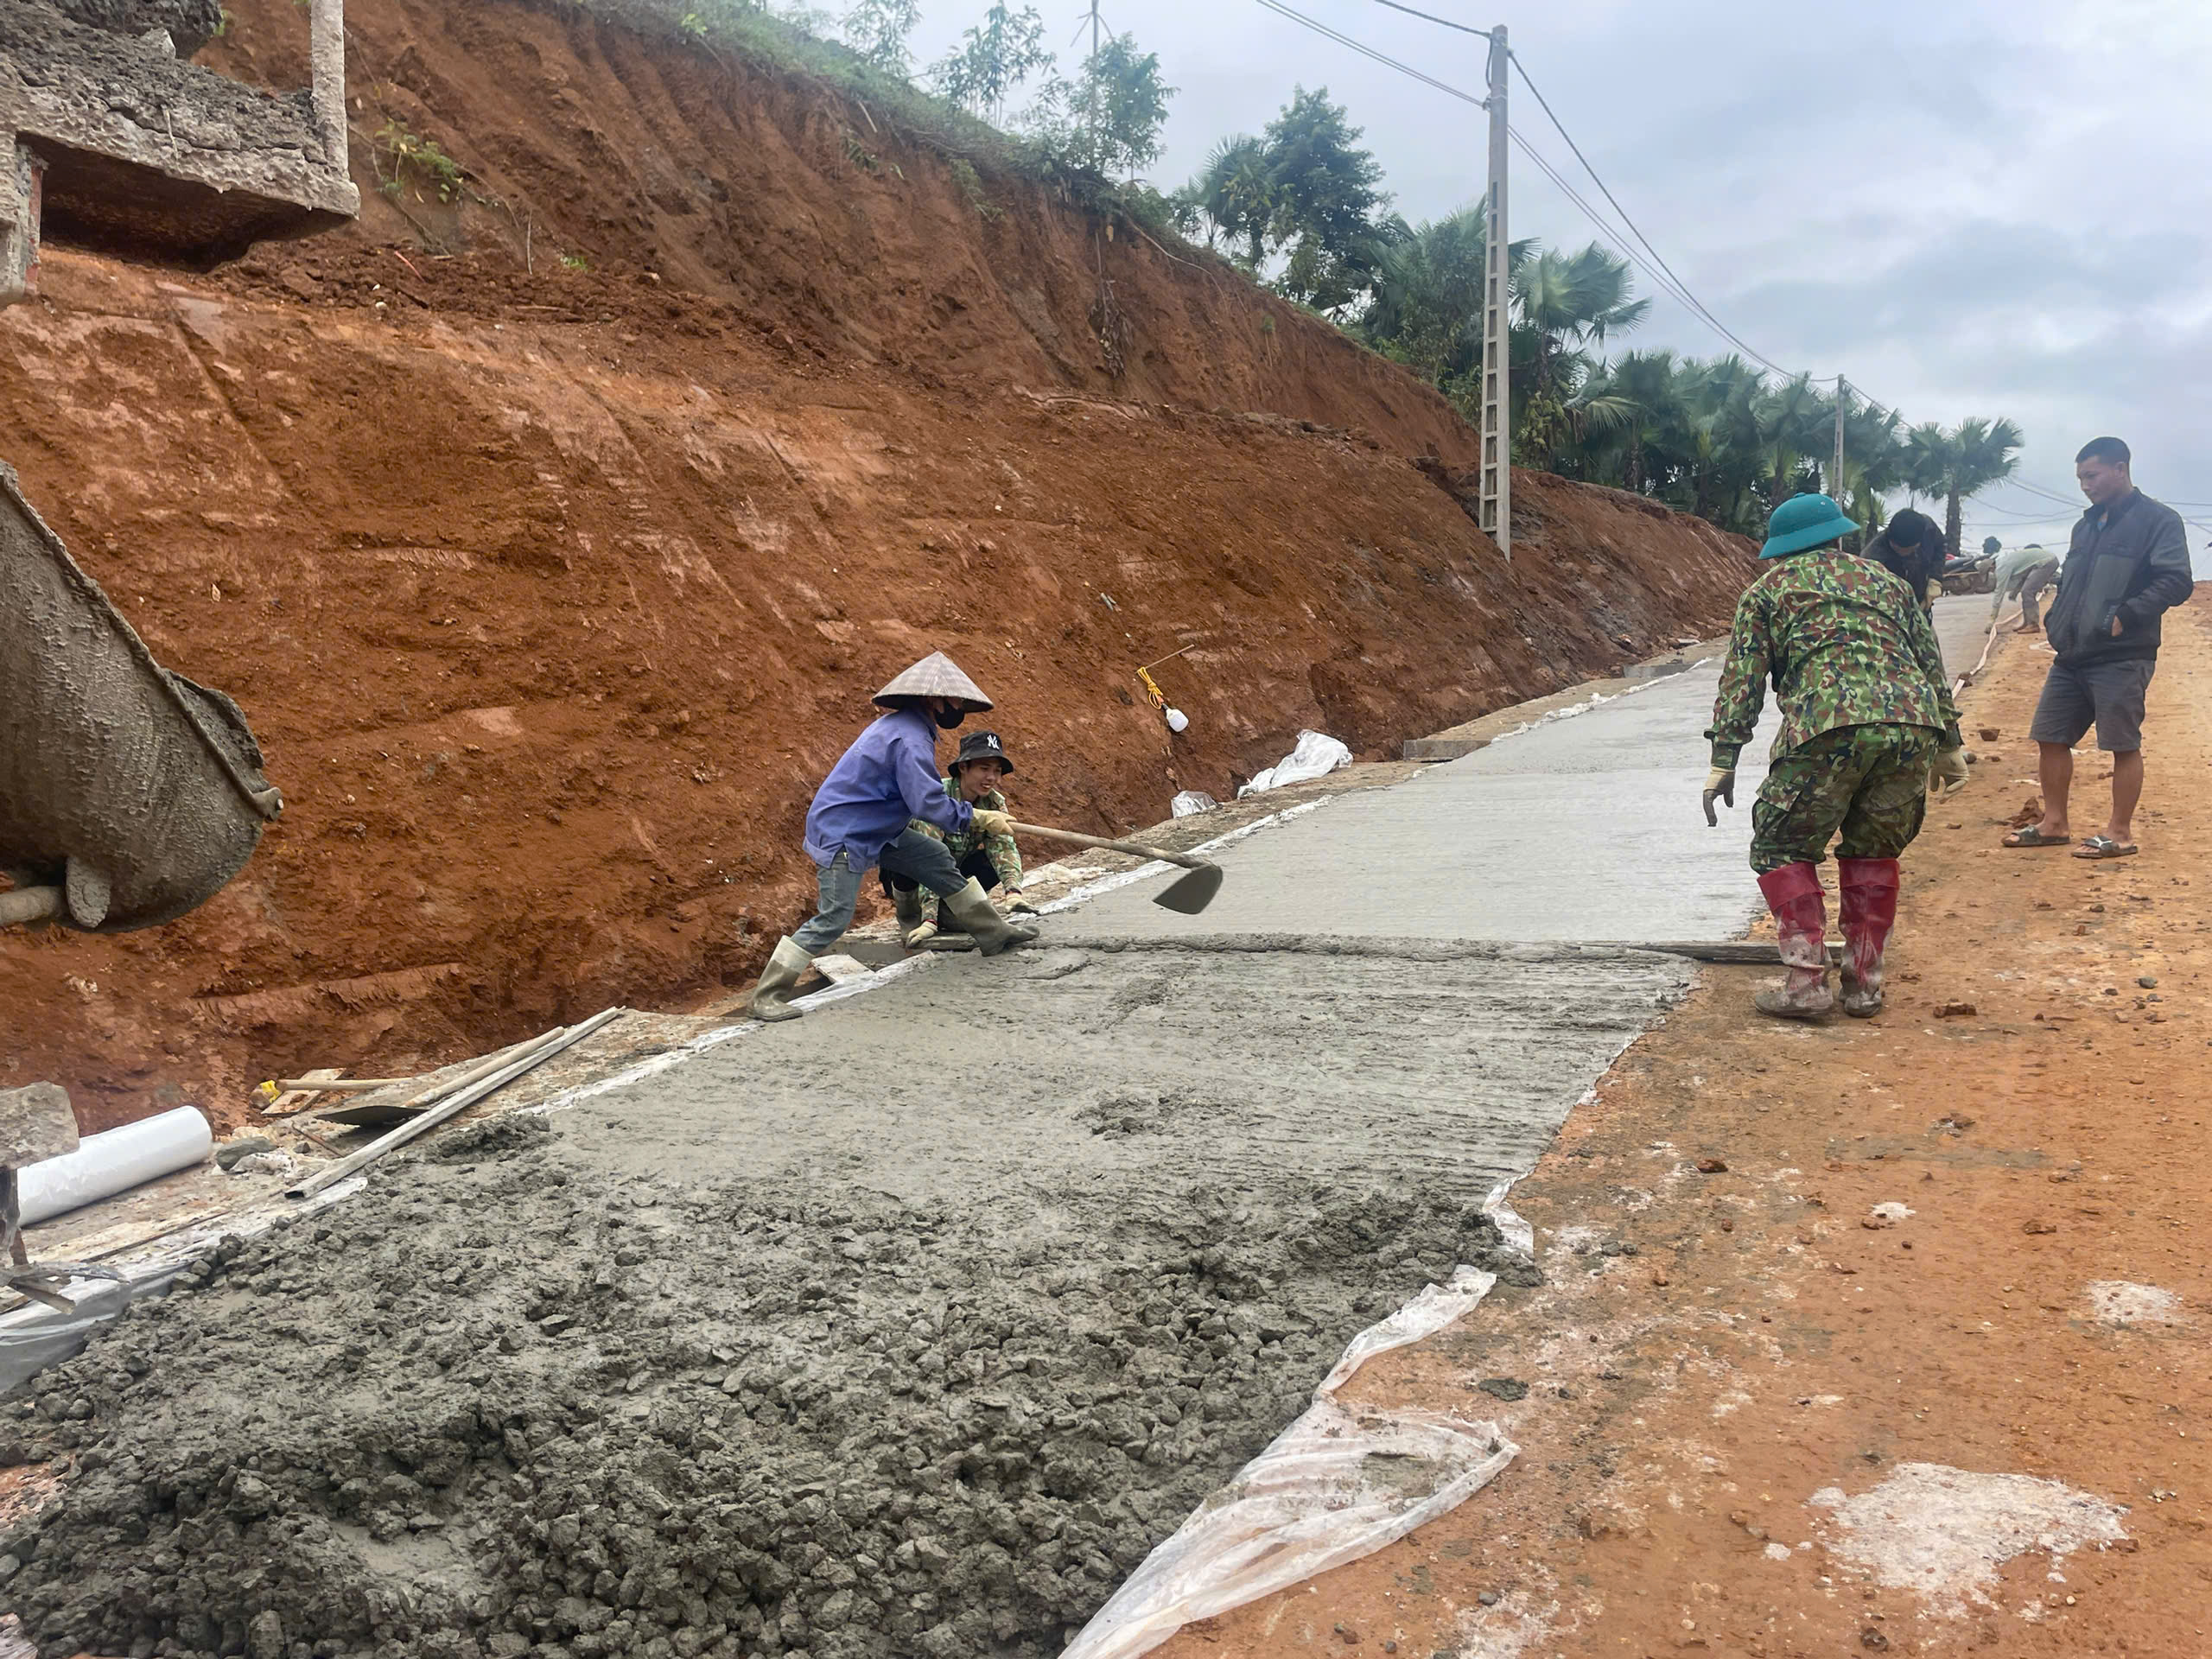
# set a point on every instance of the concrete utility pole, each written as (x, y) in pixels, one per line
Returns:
(1835, 477)
(1496, 501)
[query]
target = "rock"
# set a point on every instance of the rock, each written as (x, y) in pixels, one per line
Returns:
(246, 1146)
(1988, 733)
(2039, 1226)
(1955, 1011)
(1504, 1388)
(1711, 1166)
(1488, 1598)
(265, 1637)
(2148, 981)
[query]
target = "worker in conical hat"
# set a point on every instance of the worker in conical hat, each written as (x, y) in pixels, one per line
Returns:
(862, 818)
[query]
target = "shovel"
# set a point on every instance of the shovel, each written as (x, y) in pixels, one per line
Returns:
(1192, 894)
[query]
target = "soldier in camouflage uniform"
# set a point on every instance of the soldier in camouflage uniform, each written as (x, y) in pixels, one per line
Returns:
(1866, 712)
(992, 859)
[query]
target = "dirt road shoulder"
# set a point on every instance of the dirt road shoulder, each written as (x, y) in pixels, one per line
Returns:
(1846, 1326)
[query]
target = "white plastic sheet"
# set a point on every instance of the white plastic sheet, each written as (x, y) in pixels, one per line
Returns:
(1191, 802)
(1339, 1483)
(1317, 755)
(113, 1161)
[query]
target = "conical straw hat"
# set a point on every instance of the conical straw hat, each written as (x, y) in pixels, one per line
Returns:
(936, 675)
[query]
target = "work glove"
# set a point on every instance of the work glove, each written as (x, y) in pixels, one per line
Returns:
(1018, 905)
(1720, 783)
(1948, 776)
(988, 823)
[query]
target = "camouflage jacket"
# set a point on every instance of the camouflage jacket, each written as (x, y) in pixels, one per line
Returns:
(1846, 643)
(1005, 856)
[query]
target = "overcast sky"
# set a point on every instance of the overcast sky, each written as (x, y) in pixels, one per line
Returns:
(1968, 208)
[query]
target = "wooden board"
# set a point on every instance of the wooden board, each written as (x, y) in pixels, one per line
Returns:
(285, 1105)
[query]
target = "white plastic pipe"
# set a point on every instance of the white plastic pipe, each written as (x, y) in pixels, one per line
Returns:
(114, 1161)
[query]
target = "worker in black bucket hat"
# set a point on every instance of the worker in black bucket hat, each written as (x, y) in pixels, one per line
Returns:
(862, 819)
(982, 852)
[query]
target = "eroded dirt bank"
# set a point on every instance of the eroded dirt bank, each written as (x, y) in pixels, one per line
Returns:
(551, 591)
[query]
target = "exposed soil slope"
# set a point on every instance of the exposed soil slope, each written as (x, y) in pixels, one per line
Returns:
(551, 593)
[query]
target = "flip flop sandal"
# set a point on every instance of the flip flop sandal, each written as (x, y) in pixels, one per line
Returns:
(2105, 847)
(2032, 836)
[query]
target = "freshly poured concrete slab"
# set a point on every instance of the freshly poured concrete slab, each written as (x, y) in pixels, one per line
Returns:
(1131, 1075)
(1582, 827)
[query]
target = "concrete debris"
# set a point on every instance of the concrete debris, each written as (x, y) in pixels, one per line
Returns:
(2116, 1301)
(1944, 1532)
(229, 1154)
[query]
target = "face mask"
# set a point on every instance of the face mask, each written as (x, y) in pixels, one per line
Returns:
(949, 718)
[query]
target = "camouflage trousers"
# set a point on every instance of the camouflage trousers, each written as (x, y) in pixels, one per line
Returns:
(1870, 782)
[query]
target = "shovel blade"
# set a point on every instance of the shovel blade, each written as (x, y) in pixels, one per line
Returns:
(1193, 892)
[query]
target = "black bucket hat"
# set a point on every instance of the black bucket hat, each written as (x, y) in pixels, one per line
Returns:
(981, 745)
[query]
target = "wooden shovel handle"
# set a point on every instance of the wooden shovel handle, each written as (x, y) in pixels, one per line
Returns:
(1129, 846)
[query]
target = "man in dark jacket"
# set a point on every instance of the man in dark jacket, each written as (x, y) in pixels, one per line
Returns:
(2128, 566)
(1910, 548)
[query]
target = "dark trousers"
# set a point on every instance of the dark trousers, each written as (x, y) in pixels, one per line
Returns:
(976, 864)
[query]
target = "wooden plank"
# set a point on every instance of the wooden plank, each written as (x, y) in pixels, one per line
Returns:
(297, 1099)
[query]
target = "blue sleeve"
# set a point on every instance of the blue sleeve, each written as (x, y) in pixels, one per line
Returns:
(923, 790)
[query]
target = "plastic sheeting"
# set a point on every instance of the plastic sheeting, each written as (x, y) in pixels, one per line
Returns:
(114, 1161)
(1317, 755)
(1191, 802)
(1339, 1483)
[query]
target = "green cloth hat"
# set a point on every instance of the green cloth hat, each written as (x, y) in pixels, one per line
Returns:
(1805, 521)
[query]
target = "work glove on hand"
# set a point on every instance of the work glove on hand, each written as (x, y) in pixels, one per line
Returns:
(1949, 775)
(1017, 905)
(1720, 783)
(988, 823)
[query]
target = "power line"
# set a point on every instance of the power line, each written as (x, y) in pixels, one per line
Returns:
(1696, 305)
(1430, 17)
(1320, 28)
(1656, 268)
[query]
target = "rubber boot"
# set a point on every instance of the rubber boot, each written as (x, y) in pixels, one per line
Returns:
(772, 997)
(976, 918)
(907, 908)
(1869, 911)
(1801, 919)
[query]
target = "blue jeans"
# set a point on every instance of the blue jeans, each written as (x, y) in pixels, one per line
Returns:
(918, 858)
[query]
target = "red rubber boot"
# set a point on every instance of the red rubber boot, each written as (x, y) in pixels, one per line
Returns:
(1800, 919)
(1869, 911)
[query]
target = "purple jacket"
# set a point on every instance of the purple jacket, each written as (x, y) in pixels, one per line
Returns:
(887, 776)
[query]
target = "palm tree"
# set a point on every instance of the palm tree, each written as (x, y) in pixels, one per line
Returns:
(1793, 417)
(1236, 195)
(1976, 454)
(1726, 445)
(1570, 302)
(1925, 461)
(1427, 308)
(1647, 383)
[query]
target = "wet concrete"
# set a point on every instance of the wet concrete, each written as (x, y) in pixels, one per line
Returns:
(1585, 826)
(909, 1327)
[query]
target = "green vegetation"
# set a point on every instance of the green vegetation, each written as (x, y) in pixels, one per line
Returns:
(414, 158)
(1304, 197)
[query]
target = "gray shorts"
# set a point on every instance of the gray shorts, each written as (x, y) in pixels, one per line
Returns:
(2108, 694)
